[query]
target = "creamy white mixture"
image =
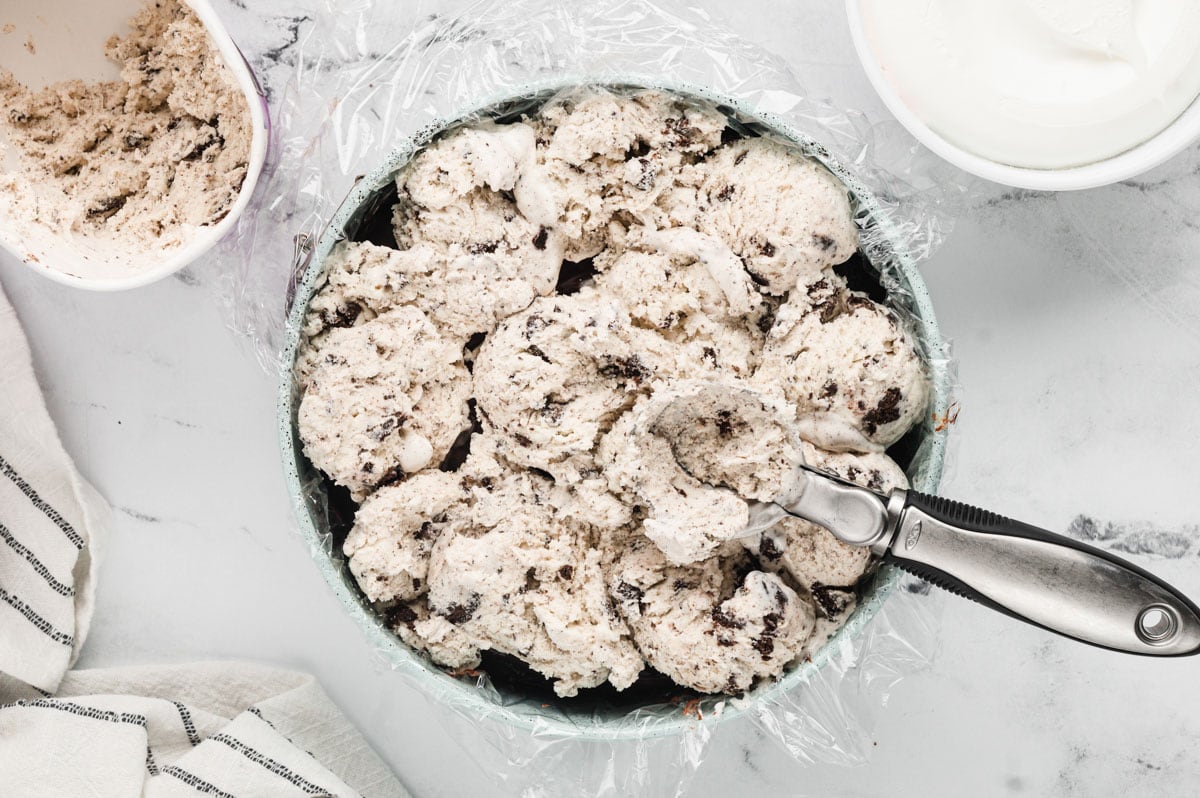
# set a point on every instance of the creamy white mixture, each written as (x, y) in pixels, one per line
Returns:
(142, 162)
(1040, 83)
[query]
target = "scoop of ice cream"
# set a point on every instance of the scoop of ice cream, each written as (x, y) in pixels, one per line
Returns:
(362, 280)
(785, 215)
(686, 518)
(384, 399)
(596, 124)
(485, 558)
(483, 155)
(674, 272)
(394, 531)
(473, 262)
(874, 470)
(423, 630)
(515, 576)
(707, 348)
(705, 626)
(847, 364)
(824, 566)
(671, 290)
(571, 199)
(613, 126)
(729, 436)
(605, 160)
(462, 289)
(690, 454)
(459, 194)
(551, 379)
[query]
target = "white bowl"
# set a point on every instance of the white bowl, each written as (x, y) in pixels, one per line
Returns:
(68, 38)
(1167, 143)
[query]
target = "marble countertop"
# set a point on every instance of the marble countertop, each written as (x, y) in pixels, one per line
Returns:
(1075, 325)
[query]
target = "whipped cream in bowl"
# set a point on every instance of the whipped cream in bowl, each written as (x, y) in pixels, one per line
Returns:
(1041, 94)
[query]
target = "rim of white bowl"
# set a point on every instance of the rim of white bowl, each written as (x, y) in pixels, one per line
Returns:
(1182, 132)
(435, 683)
(206, 237)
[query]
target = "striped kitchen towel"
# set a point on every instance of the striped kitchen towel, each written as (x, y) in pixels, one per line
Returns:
(228, 730)
(51, 522)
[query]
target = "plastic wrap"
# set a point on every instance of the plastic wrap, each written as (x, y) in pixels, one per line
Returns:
(371, 85)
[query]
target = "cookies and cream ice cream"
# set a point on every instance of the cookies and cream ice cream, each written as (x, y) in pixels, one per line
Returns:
(143, 161)
(690, 454)
(385, 398)
(716, 626)
(606, 325)
(869, 386)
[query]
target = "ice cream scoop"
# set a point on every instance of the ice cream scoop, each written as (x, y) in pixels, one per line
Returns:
(1020, 570)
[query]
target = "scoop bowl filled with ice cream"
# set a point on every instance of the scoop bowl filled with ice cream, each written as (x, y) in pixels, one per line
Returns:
(132, 137)
(477, 339)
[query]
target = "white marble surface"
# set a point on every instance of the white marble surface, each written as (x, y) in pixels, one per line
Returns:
(1075, 324)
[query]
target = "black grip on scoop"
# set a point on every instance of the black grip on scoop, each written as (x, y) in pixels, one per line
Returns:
(976, 520)
(957, 514)
(957, 541)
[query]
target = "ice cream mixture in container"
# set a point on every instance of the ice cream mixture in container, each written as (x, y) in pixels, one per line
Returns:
(1042, 84)
(484, 376)
(111, 177)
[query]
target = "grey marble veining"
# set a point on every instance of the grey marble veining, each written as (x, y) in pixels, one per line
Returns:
(1078, 341)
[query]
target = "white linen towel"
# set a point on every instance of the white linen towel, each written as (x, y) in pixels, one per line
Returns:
(229, 730)
(48, 517)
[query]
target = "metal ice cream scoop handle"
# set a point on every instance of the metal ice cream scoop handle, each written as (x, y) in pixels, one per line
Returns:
(1028, 573)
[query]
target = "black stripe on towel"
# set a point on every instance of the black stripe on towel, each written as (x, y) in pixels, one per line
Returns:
(16, 545)
(35, 619)
(92, 713)
(189, 728)
(256, 712)
(270, 764)
(10, 472)
(195, 782)
(84, 712)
